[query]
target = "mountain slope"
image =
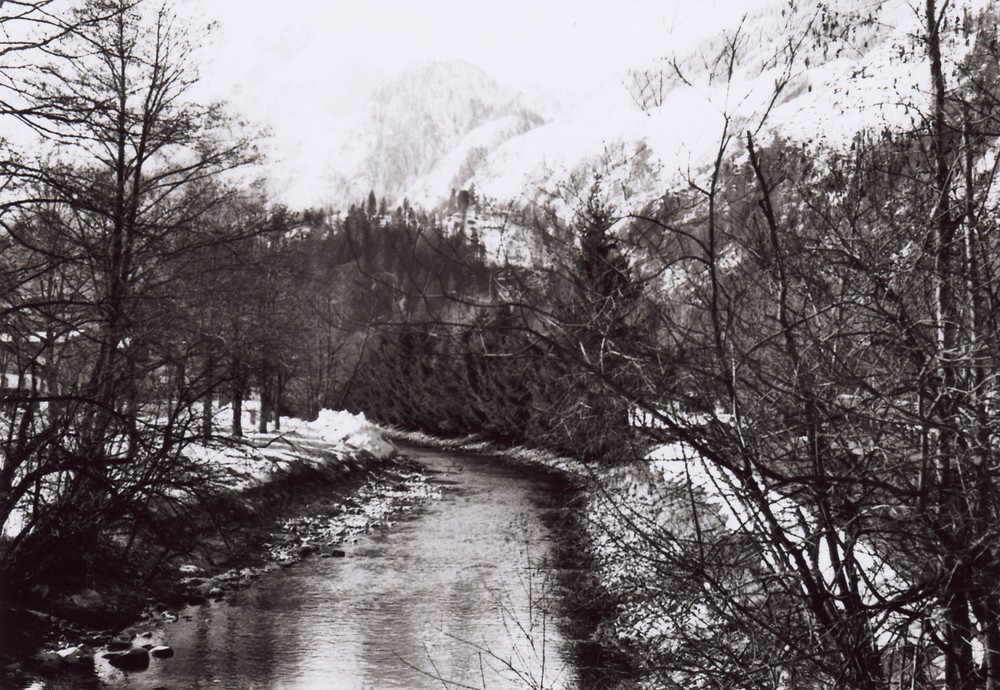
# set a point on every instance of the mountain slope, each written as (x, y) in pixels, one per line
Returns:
(413, 123)
(830, 75)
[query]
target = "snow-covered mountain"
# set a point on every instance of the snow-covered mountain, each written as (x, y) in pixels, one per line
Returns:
(811, 75)
(668, 118)
(814, 74)
(434, 123)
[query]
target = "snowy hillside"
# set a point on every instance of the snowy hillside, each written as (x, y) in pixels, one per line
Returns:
(437, 121)
(458, 166)
(809, 74)
(861, 68)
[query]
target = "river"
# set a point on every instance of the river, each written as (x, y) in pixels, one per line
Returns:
(459, 593)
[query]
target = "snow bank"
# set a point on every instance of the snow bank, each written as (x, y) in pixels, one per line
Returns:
(334, 437)
(259, 458)
(680, 465)
(661, 496)
(349, 432)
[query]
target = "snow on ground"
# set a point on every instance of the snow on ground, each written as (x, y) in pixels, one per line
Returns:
(680, 465)
(332, 436)
(258, 458)
(659, 498)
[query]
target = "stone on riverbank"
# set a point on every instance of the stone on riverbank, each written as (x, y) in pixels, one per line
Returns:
(87, 600)
(75, 655)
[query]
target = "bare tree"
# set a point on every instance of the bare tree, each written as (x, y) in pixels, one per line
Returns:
(100, 235)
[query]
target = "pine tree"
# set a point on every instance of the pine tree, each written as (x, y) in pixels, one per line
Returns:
(600, 330)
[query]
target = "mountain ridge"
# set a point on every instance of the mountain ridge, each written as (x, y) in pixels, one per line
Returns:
(412, 123)
(831, 74)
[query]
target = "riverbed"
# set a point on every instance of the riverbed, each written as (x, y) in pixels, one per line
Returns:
(458, 592)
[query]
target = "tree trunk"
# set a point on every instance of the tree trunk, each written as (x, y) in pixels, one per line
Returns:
(206, 415)
(276, 403)
(237, 398)
(265, 402)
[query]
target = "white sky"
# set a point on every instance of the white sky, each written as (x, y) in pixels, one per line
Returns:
(300, 67)
(523, 43)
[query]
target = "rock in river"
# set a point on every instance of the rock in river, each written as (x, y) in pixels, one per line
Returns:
(132, 660)
(162, 652)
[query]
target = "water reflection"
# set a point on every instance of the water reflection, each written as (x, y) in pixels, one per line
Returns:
(455, 597)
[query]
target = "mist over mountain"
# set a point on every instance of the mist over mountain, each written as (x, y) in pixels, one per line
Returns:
(438, 120)
(797, 75)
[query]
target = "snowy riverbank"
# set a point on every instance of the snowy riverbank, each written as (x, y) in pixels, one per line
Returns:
(272, 500)
(332, 440)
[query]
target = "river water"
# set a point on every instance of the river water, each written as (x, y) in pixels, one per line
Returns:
(458, 594)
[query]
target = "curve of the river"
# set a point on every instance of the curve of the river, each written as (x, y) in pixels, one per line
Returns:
(459, 594)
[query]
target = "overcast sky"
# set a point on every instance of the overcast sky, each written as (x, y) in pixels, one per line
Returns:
(339, 46)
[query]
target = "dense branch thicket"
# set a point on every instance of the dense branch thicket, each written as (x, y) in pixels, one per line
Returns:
(105, 228)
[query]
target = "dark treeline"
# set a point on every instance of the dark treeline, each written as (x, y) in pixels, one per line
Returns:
(364, 274)
(500, 355)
